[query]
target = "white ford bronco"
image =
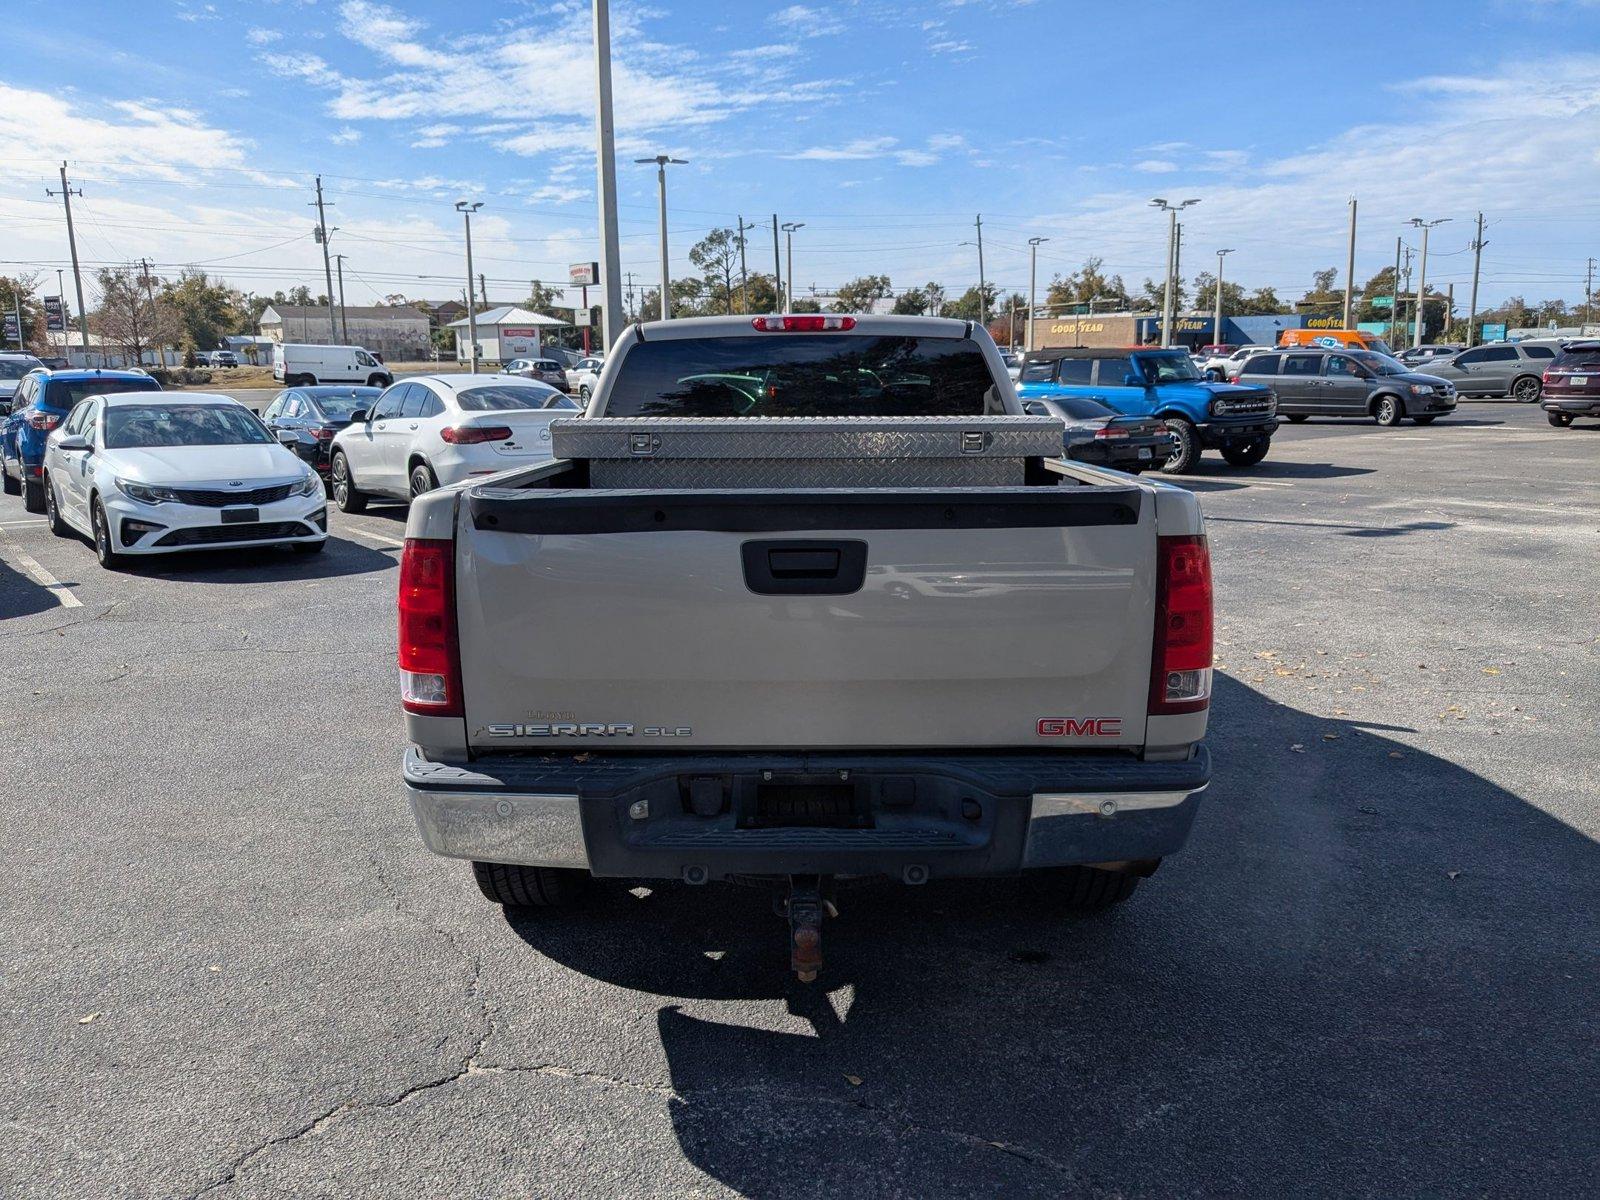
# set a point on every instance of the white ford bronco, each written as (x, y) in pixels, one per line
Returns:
(804, 598)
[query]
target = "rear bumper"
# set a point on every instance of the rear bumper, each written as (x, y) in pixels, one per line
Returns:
(953, 815)
(1574, 406)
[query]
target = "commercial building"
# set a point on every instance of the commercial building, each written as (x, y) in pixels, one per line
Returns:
(1189, 330)
(504, 333)
(399, 333)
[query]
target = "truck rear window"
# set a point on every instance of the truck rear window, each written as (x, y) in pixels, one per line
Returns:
(805, 375)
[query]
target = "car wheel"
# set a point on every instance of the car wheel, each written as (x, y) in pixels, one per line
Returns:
(103, 550)
(1527, 389)
(1560, 420)
(376, 381)
(1213, 376)
(346, 495)
(422, 480)
(1085, 889)
(52, 512)
(518, 886)
(1248, 454)
(1387, 411)
(1298, 418)
(1427, 420)
(583, 393)
(33, 495)
(1185, 447)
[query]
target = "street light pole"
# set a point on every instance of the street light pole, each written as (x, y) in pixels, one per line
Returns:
(1422, 274)
(788, 247)
(661, 161)
(1168, 298)
(1350, 268)
(466, 210)
(606, 173)
(344, 323)
(1033, 281)
(1216, 324)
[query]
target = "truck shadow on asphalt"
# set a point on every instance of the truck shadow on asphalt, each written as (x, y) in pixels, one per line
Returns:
(1371, 972)
(1345, 530)
(21, 595)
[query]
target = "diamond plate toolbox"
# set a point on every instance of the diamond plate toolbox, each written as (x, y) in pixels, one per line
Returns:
(712, 452)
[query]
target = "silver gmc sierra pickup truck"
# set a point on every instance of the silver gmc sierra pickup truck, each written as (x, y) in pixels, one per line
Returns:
(802, 598)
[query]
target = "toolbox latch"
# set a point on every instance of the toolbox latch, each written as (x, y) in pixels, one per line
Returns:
(974, 441)
(642, 445)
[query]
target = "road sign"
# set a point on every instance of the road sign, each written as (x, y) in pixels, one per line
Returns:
(583, 274)
(1493, 333)
(54, 319)
(12, 333)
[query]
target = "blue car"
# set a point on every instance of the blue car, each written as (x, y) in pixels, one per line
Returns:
(41, 402)
(1236, 420)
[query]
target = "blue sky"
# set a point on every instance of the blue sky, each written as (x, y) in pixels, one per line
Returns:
(194, 127)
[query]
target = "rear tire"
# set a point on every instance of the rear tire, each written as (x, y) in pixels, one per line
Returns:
(1185, 448)
(1249, 454)
(518, 886)
(423, 480)
(346, 495)
(52, 511)
(1087, 889)
(33, 495)
(1387, 411)
(1560, 420)
(1527, 390)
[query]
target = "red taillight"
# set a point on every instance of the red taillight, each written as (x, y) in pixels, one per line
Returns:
(802, 324)
(41, 420)
(1180, 661)
(430, 656)
(322, 433)
(1106, 431)
(471, 435)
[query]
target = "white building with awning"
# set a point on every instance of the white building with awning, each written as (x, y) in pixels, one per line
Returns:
(504, 333)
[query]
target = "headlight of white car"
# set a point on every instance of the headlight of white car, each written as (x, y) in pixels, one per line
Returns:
(146, 493)
(310, 485)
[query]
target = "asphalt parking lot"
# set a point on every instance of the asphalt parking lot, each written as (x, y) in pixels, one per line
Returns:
(231, 969)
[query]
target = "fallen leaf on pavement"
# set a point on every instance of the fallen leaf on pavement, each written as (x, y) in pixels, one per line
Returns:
(1298, 748)
(855, 1080)
(88, 1019)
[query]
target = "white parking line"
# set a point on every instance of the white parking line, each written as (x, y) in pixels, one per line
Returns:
(43, 578)
(376, 537)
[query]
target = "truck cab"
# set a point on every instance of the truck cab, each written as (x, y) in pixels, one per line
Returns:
(1236, 420)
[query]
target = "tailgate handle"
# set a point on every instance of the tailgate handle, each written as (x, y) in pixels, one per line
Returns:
(804, 568)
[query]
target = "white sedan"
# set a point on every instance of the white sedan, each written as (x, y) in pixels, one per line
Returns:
(584, 375)
(431, 430)
(141, 474)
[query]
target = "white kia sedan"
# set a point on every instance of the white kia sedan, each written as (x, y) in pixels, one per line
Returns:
(440, 429)
(146, 473)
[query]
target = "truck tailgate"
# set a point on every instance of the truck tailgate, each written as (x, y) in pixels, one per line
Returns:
(829, 618)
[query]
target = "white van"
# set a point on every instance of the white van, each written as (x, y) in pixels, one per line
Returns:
(296, 365)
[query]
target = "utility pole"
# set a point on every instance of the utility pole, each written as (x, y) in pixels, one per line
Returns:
(1216, 324)
(661, 161)
(344, 323)
(630, 296)
(327, 266)
(1033, 281)
(1588, 293)
(150, 294)
(1394, 300)
(1472, 307)
(777, 272)
(466, 210)
(66, 194)
(1169, 298)
(1422, 274)
(744, 273)
(606, 170)
(1350, 268)
(788, 240)
(983, 294)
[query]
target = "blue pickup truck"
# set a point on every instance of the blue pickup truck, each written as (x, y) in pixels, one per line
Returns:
(1239, 421)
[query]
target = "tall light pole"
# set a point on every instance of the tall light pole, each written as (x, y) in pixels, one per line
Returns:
(344, 324)
(606, 173)
(466, 210)
(1216, 324)
(1033, 280)
(1422, 273)
(1168, 298)
(1477, 261)
(1350, 267)
(661, 161)
(788, 249)
(983, 291)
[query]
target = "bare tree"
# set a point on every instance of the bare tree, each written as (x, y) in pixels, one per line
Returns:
(130, 317)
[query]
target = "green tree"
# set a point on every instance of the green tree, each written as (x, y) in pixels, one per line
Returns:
(806, 304)
(859, 295)
(1088, 283)
(971, 303)
(717, 256)
(924, 301)
(1323, 298)
(23, 290)
(1235, 301)
(1151, 297)
(547, 302)
(206, 309)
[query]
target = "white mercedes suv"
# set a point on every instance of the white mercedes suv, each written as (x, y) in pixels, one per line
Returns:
(146, 473)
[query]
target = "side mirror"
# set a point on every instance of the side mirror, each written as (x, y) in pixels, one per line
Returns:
(1034, 409)
(359, 417)
(288, 437)
(74, 441)
(1131, 380)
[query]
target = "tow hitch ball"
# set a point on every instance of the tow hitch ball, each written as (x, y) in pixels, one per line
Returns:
(805, 908)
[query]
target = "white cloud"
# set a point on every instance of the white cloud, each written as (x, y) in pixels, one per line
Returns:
(859, 148)
(1155, 166)
(346, 137)
(263, 37)
(803, 20)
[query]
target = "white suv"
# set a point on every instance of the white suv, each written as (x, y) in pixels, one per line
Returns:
(439, 429)
(584, 375)
(1220, 367)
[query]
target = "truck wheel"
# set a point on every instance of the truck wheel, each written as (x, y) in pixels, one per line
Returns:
(1249, 454)
(1185, 447)
(1085, 889)
(33, 495)
(528, 887)
(1387, 411)
(346, 495)
(1527, 389)
(1560, 420)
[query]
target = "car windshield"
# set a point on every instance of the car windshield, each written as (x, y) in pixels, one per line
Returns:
(65, 393)
(499, 397)
(16, 368)
(1379, 364)
(143, 426)
(1168, 368)
(805, 375)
